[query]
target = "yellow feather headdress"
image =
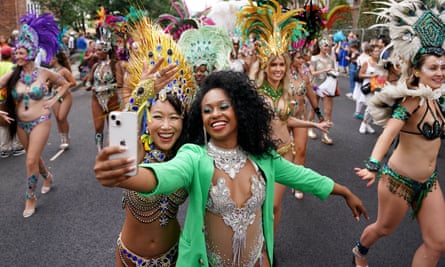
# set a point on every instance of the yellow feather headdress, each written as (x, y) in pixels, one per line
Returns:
(153, 44)
(273, 27)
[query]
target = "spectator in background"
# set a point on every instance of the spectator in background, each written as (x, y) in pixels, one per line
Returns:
(72, 43)
(81, 46)
(7, 146)
(382, 42)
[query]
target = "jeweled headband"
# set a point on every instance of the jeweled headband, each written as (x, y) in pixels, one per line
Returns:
(38, 32)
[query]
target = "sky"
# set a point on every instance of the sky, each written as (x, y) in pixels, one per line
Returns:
(198, 5)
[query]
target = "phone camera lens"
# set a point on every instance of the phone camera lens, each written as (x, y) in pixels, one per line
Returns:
(113, 117)
(118, 123)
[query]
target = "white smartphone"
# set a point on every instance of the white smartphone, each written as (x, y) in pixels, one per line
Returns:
(123, 131)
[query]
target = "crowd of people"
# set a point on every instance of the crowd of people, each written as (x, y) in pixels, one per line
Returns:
(225, 123)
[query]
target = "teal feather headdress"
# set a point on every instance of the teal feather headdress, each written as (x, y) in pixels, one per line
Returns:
(415, 27)
(208, 45)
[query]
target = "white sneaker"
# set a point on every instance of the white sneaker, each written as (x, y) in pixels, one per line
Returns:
(369, 129)
(362, 128)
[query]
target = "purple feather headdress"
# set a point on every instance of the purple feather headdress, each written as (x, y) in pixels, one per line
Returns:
(38, 32)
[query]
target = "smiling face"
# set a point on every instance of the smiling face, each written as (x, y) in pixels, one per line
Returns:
(298, 60)
(219, 118)
(432, 71)
(165, 126)
(275, 70)
(200, 73)
(21, 56)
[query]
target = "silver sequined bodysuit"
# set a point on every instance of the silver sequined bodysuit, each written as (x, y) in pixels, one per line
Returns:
(245, 252)
(149, 209)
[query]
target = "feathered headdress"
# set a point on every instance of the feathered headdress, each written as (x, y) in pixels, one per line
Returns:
(38, 32)
(317, 18)
(109, 26)
(153, 44)
(273, 27)
(208, 45)
(415, 27)
(184, 21)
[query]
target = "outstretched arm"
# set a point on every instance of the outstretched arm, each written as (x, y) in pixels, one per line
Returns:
(111, 173)
(354, 203)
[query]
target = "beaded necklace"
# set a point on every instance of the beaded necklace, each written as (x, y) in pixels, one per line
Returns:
(151, 153)
(28, 79)
(267, 89)
(275, 95)
(229, 161)
(161, 208)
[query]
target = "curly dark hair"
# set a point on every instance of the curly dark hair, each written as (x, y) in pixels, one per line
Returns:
(251, 111)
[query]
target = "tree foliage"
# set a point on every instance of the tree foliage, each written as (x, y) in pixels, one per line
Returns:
(367, 20)
(74, 13)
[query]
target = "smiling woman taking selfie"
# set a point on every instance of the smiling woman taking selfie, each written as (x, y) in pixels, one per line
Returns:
(229, 169)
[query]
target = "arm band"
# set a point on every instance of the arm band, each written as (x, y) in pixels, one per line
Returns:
(318, 112)
(59, 98)
(372, 164)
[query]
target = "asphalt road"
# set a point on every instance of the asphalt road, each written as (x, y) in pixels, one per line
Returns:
(77, 223)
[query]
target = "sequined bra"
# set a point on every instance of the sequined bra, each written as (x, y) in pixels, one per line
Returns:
(149, 209)
(36, 93)
(427, 130)
(238, 219)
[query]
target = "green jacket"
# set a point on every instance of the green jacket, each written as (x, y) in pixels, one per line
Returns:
(192, 168)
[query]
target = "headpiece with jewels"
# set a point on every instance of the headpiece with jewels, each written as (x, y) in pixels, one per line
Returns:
(208, 45)
(38, 32)
(153, 44)
(272, 26)
(415, 27)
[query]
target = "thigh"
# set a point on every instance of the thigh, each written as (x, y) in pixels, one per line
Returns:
(431, 216)
(113, 103)
(391, 207)
(96, 109)
(65, 106)
(300, 142)
(278, 194)
(38, 138)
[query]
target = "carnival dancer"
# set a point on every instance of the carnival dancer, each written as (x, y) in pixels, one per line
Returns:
(409, 110)
(26, 104)
(61, 65)
(150, 234)
(229, 169)
(273, 79)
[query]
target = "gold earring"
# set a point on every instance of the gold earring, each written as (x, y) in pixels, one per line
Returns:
(416, 73)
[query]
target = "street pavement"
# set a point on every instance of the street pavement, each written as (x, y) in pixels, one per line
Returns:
(77, 223)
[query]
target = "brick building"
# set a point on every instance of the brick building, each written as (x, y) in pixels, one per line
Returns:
(11, 11)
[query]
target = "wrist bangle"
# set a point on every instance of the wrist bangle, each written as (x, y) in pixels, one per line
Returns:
(59, 98)
(372, 164)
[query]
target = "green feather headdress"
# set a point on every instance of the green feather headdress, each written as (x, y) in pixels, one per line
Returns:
(207, 45)
(273, 27)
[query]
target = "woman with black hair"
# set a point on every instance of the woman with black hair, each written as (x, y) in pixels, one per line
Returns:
(105, 79)
(229, 173)
(28, 110)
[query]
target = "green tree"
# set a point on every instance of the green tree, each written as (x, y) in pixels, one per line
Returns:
(367, 20)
